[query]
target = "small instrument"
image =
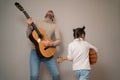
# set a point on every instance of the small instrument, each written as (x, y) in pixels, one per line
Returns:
(92, 56)
(37, 35)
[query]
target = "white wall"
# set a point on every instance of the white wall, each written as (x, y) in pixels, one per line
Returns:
(102, 21)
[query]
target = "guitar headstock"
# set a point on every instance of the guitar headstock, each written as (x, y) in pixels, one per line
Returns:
(19, 6)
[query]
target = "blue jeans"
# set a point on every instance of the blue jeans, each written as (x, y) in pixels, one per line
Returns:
(35, 66)
(82, 74)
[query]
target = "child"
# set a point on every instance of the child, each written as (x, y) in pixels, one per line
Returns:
(78, 52)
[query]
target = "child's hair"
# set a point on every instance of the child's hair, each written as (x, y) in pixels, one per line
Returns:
(78, 32)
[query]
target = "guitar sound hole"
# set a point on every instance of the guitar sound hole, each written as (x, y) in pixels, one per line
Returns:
(46, 48)
(49, 47)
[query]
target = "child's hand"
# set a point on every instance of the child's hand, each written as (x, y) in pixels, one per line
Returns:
(61, 59)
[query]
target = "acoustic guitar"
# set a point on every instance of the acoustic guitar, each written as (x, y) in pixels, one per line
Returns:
(37, 36)
(92, 57)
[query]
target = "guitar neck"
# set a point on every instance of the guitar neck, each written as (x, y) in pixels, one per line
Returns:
(27, 16)
(33, 25)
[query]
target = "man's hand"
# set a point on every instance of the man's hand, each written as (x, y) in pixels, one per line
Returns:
(29, 21)
(47, 43)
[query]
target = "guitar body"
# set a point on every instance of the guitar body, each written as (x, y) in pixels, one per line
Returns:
(42, 50)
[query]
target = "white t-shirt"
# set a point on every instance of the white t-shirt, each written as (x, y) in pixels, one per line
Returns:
(78, 52)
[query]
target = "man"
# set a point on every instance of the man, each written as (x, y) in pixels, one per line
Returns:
(51, 29)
